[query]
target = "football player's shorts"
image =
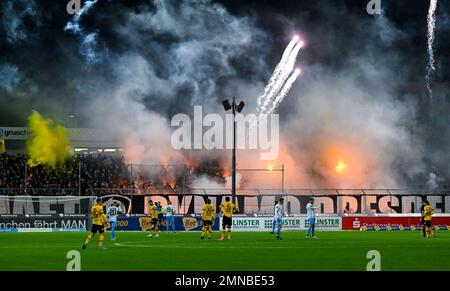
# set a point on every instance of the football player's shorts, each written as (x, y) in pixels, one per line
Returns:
(278, 221)
(113, 224)
(170, 219)
(427, 223)
(206, 222)
(97, 228)
(227, 221)
(312, 221)
(154, 221)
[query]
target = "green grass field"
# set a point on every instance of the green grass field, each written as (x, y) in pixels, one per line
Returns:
(247, 251)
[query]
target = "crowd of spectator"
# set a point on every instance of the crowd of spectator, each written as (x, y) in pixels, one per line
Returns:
(97, 171)
(87, 171)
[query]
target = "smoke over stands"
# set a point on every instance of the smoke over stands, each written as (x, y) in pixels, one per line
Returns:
(358, 115)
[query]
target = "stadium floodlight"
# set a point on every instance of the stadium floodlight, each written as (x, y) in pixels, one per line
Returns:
(240, 106)
(227, 105)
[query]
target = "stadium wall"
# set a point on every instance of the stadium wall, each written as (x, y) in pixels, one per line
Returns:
(295, 204)
(248, 204)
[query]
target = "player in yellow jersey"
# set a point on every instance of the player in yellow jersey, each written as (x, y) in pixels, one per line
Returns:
(427, 215)
(208, 216)
(99, 222)
(154, 216)
(227, 208)
(423, 231)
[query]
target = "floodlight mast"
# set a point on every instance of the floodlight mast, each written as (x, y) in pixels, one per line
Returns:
(235, 108)
(233, 162)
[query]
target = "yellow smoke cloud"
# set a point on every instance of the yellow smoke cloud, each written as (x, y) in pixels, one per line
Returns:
(48, 143)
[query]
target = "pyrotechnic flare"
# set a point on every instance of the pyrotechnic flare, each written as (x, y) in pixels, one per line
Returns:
(285, 90)
(430, 47)
(48, 144)
(340, 167)
(277, 70)
(278, 78)
(284, 75)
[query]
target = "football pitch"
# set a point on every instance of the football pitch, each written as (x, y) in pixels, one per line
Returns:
(184, 251)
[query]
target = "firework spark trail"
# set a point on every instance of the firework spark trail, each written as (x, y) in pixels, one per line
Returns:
(277, 71)
(88, 39)
(430, 48)
(74, 25)
(286, 72)
(285, 90)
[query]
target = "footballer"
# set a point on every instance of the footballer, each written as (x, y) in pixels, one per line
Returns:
(427, 216)
(310, 210)
(208, 216)
(111, 213)
(154, 216)
(278, 217)
(227, 208)
(99, 222)
(170, 211)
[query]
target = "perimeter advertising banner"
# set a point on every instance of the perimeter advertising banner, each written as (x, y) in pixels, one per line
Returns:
(240, 223)
(142, 223)
(391, 223)
(43, 222)
(245, 223)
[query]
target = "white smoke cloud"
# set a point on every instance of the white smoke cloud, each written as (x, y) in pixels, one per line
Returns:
(431, 27)
(10, 77)
(433, 181)
(337, 119)
(195, 55)
(13, 15)
(171, 64)
(88, 46)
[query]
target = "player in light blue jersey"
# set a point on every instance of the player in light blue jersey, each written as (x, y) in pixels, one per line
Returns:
(279, 217)
(274, 221)
(310, 211)
(170, 211)
(111, 214)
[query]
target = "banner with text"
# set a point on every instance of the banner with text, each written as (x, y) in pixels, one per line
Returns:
(36, 222)
(389, 223)
(245, 223)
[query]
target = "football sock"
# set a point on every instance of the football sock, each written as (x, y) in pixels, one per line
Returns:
(100, 240)
(88, 239)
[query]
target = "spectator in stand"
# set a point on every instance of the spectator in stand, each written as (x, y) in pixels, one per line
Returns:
(97, 171)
